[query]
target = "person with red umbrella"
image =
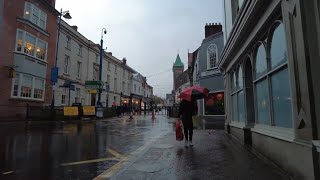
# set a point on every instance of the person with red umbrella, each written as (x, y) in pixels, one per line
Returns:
(188, 108)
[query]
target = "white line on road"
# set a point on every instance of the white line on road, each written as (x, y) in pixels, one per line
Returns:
(9, 172)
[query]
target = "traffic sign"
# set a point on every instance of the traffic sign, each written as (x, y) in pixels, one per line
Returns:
(93, 84)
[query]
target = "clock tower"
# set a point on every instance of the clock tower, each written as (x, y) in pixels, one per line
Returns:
(177, 69)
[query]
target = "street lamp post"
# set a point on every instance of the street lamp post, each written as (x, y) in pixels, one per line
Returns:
(55, 70)
(104, 31)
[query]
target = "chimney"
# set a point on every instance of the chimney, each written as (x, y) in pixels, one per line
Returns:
(75, 28)
(124, 61)
(212, 28)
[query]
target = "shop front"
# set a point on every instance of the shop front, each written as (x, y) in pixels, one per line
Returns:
(136, 103)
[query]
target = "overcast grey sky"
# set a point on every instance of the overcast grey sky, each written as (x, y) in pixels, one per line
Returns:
(149, 33)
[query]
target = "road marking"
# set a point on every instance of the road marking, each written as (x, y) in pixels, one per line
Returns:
(124, 161)
(9, 172)
(90, 161)
(114, 153)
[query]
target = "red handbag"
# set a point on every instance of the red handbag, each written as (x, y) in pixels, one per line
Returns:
(179, 133)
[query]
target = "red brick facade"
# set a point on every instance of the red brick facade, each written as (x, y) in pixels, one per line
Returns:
(12, 18)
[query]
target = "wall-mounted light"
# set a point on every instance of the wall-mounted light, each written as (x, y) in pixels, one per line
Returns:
(12, 72)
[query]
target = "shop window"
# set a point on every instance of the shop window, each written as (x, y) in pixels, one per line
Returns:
(273, 100)
(237, 96)
(214, 104)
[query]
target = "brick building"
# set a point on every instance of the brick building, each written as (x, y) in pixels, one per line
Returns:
(28, 32)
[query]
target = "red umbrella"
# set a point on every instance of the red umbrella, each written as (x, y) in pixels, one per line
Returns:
(194, 93)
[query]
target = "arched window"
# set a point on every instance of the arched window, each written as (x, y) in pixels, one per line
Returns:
(280, 86)
(261, 86)
(237, 96)
(278, 47)
(272, 86)
(212, 56)
(261, 61)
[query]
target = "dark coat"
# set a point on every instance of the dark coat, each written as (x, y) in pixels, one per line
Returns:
(187, 109)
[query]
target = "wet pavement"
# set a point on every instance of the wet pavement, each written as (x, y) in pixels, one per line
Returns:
(119, 148)
(44, 150)
(214, 156)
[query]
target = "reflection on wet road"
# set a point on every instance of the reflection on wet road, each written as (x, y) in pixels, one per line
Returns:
(73, 150)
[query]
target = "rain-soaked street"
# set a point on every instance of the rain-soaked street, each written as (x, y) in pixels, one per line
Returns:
(121, 148)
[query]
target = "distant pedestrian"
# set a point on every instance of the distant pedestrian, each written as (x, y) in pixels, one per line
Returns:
(186, 110)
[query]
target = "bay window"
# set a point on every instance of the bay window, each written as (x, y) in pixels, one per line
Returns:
(30, 45)
(27, 86)
(35, 15)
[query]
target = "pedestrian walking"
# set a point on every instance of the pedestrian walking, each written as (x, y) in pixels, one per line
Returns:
(186, 110)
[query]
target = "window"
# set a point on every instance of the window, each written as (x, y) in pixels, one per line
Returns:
(128, 87)
(97, 58)
(78, 94)
(63, 99)
(108, 79)
(108, 66)
(273, 96)
(139, 90)
(79, 69)
(66, 66)
(123, 88)
(115, 84)
(38, 88)
(27, 86)
(16, 85)
(30, 45)
(41, 50)
(35, 15)
(214, 104)
(20, 35)
(43, 20)
(135, 88)
(115, 69)
(68, 42)
(79, 50)
(124, 73)
(212, 55)
(237, 96)
(95, 74)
